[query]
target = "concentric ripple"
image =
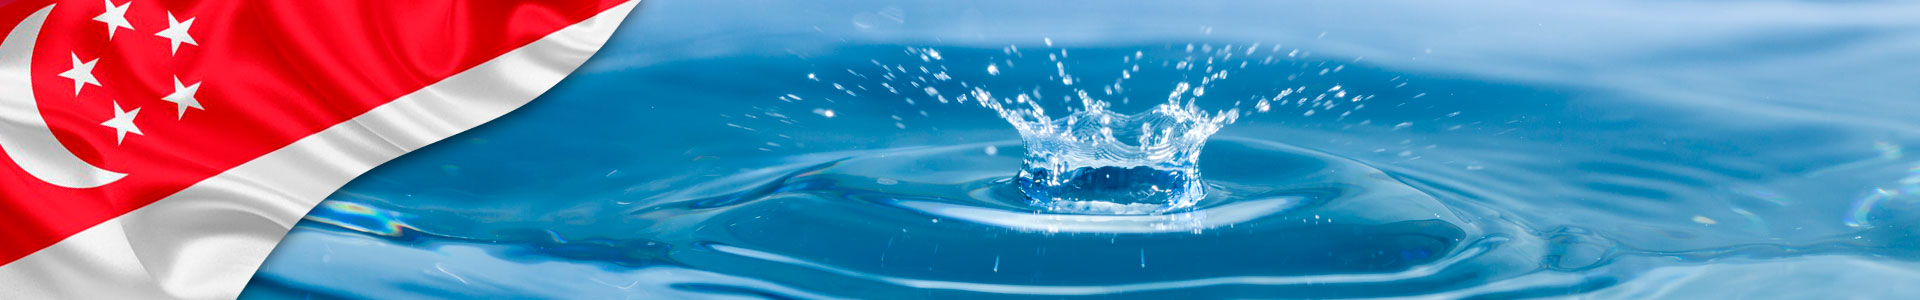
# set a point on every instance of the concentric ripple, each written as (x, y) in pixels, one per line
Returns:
(947, 220)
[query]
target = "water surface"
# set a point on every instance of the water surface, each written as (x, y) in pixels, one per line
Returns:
(1506, 149)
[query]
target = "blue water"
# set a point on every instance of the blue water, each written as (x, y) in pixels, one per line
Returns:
(1506, 149)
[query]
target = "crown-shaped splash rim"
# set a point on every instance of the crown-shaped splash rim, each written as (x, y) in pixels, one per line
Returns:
(1096, 161)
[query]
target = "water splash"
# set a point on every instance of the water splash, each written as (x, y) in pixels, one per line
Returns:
(1099, 161)
(1091, 145)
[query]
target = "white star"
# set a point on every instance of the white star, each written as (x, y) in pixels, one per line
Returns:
(82, 73)
(115, 17)
(177, 31)
(122, 122)
(183, 95)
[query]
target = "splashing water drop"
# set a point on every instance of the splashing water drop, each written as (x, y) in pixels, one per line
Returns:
(1092, 160)
(1096, 161)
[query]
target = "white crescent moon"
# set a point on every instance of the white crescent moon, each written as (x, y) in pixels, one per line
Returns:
(23, 134)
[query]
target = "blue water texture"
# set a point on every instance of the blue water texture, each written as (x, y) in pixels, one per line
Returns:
(750, 149)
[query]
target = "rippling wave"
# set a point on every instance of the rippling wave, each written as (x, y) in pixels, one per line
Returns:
(1484, 150)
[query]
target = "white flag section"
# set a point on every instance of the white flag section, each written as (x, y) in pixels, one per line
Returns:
(206, 241)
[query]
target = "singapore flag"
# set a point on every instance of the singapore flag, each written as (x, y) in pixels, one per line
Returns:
(160, 148)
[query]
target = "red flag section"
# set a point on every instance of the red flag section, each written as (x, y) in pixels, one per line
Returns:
(172, 92)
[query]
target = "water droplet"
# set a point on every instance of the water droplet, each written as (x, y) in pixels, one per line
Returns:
(1143, 258)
